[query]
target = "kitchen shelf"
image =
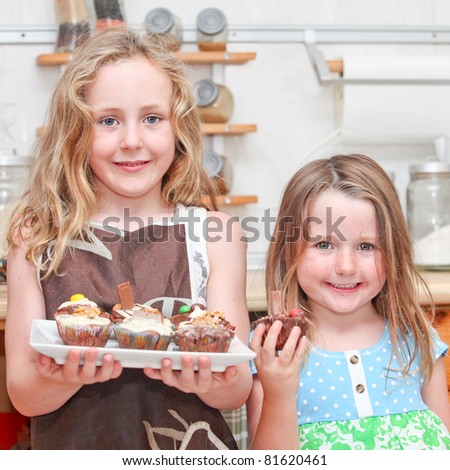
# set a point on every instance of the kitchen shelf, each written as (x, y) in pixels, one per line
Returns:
(217, 57)
(236, 200)
(228, 129)
(221, 57)
(228, 200)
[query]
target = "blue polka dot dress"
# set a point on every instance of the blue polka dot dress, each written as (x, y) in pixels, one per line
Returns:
(350, 400)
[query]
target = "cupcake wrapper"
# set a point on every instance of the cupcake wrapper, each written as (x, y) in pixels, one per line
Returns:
(142, 340)
(203, 339)
(84, 335)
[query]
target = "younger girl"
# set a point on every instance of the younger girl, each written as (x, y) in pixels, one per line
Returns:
(116, 196)
(373, 377)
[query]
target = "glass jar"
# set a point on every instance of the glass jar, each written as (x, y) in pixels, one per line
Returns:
(163, 21)
(212, 30)
(428, 210)
(74, 26)
(109, 13)
(215, 101)
(13, 176)
(219, 169)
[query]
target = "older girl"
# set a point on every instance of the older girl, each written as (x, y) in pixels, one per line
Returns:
(117, 195)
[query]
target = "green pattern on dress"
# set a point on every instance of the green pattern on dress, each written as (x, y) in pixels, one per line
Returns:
(418, 430)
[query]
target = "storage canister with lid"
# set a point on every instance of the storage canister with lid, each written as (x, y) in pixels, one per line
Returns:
(212, 30)
(74, 24)
(163, 21)
(109, 13)
(428, 211)
(215, 101)
(14, 172)
(219, 169)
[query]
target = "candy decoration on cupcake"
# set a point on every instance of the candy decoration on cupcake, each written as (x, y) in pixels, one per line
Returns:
(127, 308)
(184, 309)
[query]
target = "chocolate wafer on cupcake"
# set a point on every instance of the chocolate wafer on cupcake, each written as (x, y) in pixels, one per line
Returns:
(138, 326)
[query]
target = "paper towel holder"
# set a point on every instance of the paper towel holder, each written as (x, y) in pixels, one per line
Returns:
(331, 72)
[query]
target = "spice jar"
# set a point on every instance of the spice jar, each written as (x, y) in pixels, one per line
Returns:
(212, 30)
(109, 13)
(74, 26)
(219, 169)
(215, 101)
(163, 21)
(428, 203)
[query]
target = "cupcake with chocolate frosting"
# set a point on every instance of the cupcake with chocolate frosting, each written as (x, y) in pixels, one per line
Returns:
(201, 330)
(294, 317)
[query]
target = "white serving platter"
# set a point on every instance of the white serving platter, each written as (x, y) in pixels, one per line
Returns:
(46, 340)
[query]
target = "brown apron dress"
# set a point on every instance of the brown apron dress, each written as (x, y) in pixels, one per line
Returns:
(132, 411)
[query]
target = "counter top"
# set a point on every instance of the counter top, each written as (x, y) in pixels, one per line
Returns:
(437, 281)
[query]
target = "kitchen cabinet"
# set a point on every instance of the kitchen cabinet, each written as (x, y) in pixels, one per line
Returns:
(209, 129)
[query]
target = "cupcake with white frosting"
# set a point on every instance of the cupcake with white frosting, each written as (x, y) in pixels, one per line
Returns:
(144, 333)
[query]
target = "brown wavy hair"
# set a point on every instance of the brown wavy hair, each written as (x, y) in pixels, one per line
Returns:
(61, 198)
(358, 177)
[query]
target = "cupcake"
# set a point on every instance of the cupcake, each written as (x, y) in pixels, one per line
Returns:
(295, 317)
(203, 331)
(144, 333)
(82, 322)
(139, 326)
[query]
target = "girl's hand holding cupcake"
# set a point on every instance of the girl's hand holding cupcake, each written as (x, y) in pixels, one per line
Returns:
(273, 397)
(278, 371)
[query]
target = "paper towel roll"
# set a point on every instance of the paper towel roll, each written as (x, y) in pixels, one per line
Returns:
(394, 114)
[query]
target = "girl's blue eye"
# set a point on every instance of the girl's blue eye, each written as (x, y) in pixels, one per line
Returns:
(366, 246)
(324, 245)
(109, 121)
(152, 119)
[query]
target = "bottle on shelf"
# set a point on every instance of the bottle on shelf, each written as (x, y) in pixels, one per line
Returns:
(109, 13)
(163, 21)
(215, 101)
(428, 201)
(73, 24)
(219, 169)
(212, 30)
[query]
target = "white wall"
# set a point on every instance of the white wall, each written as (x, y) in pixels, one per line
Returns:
(278, 91)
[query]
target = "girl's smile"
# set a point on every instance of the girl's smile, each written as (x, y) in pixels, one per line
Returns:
(132, 166)
(345, 287)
